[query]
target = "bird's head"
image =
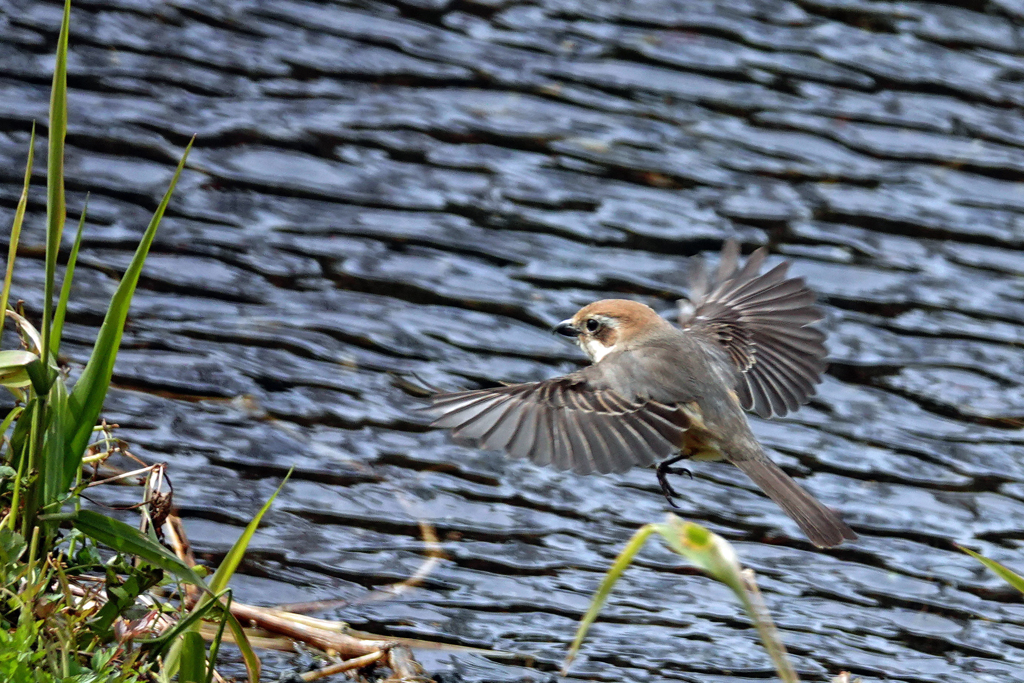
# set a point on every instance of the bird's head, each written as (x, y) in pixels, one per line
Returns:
(609, 325)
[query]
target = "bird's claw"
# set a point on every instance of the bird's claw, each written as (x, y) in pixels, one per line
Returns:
(668, 492)
(666, 488)
(679, 470)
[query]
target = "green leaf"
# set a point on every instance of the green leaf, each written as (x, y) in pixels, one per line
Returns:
(55, 479)
(18, 454)
(1002, 571)
(90, 390)
(234, 557)
(19, 217)
(172, 637)
(219, 583)
(15, 413)
(159, 644)
(56, 212)
(29, 334)
(20, 434)
(624, 559)
(713, 554)
(129, 540)
(215, 643)
(121, 596)
(193, 658)
(56, 436)
(708, 551)
(39, 377)
(65, 288)
(13, 364)
(102, 657)
(226, 570)
(11, 546)
(253, 666)
(35, 420)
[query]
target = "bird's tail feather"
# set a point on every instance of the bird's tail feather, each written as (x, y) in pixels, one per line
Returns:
(823, 526)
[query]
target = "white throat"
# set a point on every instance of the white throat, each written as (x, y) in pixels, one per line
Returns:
(595, 349)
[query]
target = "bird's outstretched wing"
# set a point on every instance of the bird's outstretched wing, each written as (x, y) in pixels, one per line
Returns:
(762, 322)
(569, 422)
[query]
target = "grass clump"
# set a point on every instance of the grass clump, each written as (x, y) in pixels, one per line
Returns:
(84, 597)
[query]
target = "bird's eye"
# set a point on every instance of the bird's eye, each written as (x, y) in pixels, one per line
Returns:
(593, 325)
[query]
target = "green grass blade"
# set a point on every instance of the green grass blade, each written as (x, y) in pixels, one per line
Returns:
(14, 368)
(13, 457)
(230, 563)
(253, 666)
(19, 217)
(34, 446)
(19, 454)
(218, 638)
(624, 559)
(1002, 571)
(126, 539)
(56, 439)
(714, 555)
(86, 399)
(56, 480)
(770, 637)
(28, 333)
(16, 412)
(55, 208)
(39, 378)
(707, 550)
(193, 658)
(172, 660)
(65, 288)
(159, 644)
(219, 583)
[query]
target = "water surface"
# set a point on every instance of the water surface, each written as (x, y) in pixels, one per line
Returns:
(426, 185)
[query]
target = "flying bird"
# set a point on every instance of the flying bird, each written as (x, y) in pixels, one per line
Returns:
(657, 394)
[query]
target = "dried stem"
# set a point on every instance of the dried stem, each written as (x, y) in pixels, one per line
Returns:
(347, 665)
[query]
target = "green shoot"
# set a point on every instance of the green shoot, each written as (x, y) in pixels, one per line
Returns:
(714, 555)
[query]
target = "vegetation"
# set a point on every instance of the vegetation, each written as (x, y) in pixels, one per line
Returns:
(84, 594)
(714, 555)
(1002, 571)
(85, 597)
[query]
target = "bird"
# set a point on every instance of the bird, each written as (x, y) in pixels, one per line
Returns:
(657, 393)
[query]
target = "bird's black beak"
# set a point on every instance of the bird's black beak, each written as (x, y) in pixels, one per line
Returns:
(566, 329)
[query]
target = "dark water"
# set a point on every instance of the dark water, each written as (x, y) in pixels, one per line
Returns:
(426, 185)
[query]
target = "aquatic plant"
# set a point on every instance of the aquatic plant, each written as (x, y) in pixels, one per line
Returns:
(1002, 571)
(52, 623)
(86, 597)
(716, 557)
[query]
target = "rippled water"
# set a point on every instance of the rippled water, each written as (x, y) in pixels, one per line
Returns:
(425, 185)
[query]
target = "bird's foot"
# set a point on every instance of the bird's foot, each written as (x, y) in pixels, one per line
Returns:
(664, 469)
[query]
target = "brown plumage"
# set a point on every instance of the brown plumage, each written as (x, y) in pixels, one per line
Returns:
(655, 391)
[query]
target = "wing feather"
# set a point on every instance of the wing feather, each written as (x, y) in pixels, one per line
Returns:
(573, 422)
(598, 442)
(761, 321)
(487, 417)
(583, 460)
(542, 451)
(526, 435)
